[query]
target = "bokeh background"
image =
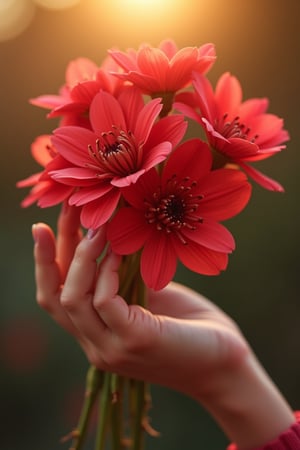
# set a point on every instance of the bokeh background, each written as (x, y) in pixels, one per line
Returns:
(42, 369)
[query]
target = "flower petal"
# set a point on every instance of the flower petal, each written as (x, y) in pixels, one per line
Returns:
(153, 62)
(80, 69)
(56, 194)
(40, 149)
(72, 143)
(127, 231)
(146, 118)
(85, 92)
(158, 261)
(205, 94)
(106, 112)
(181, 67)
(48, 101)
(228, 95)
(170, 128)
(225, 193)
(129, 179)
(200, 259)
(98, 212)
(137, 194)
(156, 155)
(75, 176)
(192, 158)
(132, 103)
(261, 179)
(89, 194)
(212, 235)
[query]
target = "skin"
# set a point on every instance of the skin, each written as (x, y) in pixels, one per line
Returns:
(182, 340)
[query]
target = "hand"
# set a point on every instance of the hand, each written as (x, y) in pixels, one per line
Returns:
(182, 340)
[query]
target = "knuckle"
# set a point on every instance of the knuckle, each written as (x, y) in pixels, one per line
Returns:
(68, 302)
(43, 301)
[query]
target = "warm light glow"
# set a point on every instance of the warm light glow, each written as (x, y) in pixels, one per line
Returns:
(151, 19)
(56, 4)
(15, 17)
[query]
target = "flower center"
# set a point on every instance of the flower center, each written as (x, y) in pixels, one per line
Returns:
(233, 128)
(175, 208)
(116, 153)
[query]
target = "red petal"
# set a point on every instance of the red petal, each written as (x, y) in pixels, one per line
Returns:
(127, 231)
(129, 179)
(226, 192)
(72, 143)
(182, 65)
(212, 235)
(85, 92)
(56, 194)
(105, 112)
(156, 155)
(80, 69)
(40, 149)
(90, 194)
(200, 259)
(251, 108)
(206, 97)
(125, 60)
(170, 128)
(131, 101)
(49, 101)
(158, 261)
(154, 63)
(261, 179)
(228, 94)
(98, 212)
(75, 176)
(145, 120)
(29, 181)
(146, 185)
(192, 158)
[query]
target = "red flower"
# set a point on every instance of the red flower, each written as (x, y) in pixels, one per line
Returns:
(164, 70)
(45, 191)
(84, 79)
(124, 143)
(240, 131)
(176, 216)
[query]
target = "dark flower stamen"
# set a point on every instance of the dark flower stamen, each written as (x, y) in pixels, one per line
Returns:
(116, 153)
(175, 208)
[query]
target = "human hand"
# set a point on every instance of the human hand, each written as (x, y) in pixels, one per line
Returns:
(181, 340)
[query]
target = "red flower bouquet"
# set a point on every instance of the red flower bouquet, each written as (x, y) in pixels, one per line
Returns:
(120, 155)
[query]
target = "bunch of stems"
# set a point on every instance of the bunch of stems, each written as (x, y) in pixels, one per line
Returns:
(123, 403)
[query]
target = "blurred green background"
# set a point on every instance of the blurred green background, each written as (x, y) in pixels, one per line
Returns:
(42, 369)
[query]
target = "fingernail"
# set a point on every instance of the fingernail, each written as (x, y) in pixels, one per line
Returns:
(91, 233)
(34, 233)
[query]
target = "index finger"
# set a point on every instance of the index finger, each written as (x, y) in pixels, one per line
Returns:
(69, 234)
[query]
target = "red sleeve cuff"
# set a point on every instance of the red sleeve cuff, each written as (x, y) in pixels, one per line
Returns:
(288, 440)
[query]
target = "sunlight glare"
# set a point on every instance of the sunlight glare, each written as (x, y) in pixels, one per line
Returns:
(148, 18)
(15, 17)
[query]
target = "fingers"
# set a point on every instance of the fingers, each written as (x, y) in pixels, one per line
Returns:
(111, 308)
(78, 291)
(48, 275)
(68, 236)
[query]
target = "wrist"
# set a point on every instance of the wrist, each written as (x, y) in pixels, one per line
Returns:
(247, 405)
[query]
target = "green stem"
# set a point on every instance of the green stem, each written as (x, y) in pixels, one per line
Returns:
(104, 408)
(139, 400)
(93, 384)
(116, 412)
